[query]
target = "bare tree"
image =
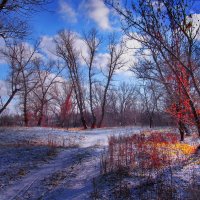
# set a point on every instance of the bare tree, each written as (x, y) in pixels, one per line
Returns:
(93, 42)
(12, 16)
(157, 70)
(18, 60)
(127, 102)
(63, 103)
(115, 62)
(166, 27)
(14, 26)
(66, 50)
(47, 75)
(150, 96)
(22, 56)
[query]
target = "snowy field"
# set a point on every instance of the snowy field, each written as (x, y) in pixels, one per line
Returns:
(47, 163)
(84, 138)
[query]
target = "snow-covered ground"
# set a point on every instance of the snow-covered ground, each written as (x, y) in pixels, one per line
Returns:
(84, 138)
(48, 163)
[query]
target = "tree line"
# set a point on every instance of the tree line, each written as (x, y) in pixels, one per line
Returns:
(63, 92)
(57, 93)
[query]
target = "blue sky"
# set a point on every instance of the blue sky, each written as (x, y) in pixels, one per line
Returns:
(78, 16)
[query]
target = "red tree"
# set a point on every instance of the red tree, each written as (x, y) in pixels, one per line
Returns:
(180, 107)
(66, 107)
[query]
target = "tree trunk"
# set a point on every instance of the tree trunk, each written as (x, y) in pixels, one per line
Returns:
(80, 104)
(93, 122)
(150, 122)
(25, 111)
(186, 130)
(82, 115)
(196, 117)
(8, 101)
(181, 130)
(101, 120)
(103, 105)
(25, 117)
(93, 125)
(40, 117)
(83, 122)
(40, 120)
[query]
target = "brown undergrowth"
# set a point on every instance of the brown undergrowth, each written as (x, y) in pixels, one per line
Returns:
(147, 158)
(147, 151)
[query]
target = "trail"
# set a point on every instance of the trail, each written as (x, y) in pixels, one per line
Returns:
(77, 167)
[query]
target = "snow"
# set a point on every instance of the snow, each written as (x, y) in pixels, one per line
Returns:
(84, 138)
(68, 172)
(77, 180)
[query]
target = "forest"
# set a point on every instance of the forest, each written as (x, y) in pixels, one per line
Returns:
(73, 88)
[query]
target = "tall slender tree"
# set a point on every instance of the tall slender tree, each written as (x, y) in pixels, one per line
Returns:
(115, 62)
(66, 50)
(93, 41)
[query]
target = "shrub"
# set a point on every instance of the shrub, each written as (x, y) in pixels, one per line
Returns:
(147, 151)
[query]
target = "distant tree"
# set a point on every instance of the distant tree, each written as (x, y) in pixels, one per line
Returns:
(47, 74)
(63, 103)
(150, 95)
(127, 102)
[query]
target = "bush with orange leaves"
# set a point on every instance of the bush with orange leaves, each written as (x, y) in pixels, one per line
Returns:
(148, 151)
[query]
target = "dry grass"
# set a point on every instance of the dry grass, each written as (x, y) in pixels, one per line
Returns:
(51, 141)
(149, 157)
(148, 151)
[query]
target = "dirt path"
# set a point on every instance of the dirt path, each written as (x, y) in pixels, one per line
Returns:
(68, 176)
(78, 184)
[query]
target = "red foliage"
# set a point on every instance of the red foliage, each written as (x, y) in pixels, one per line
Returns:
(180, 107)
(66, 107)
(149, 150)
(167, 138)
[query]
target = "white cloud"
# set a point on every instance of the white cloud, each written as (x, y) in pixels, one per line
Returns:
(98, 12)
(48, 46)
(28, 50)
(81, 47)
(101, 60)
(195, 19)
(129, 57)
(2, 46)
(67, 12)
(3, 88)
(158, 4)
